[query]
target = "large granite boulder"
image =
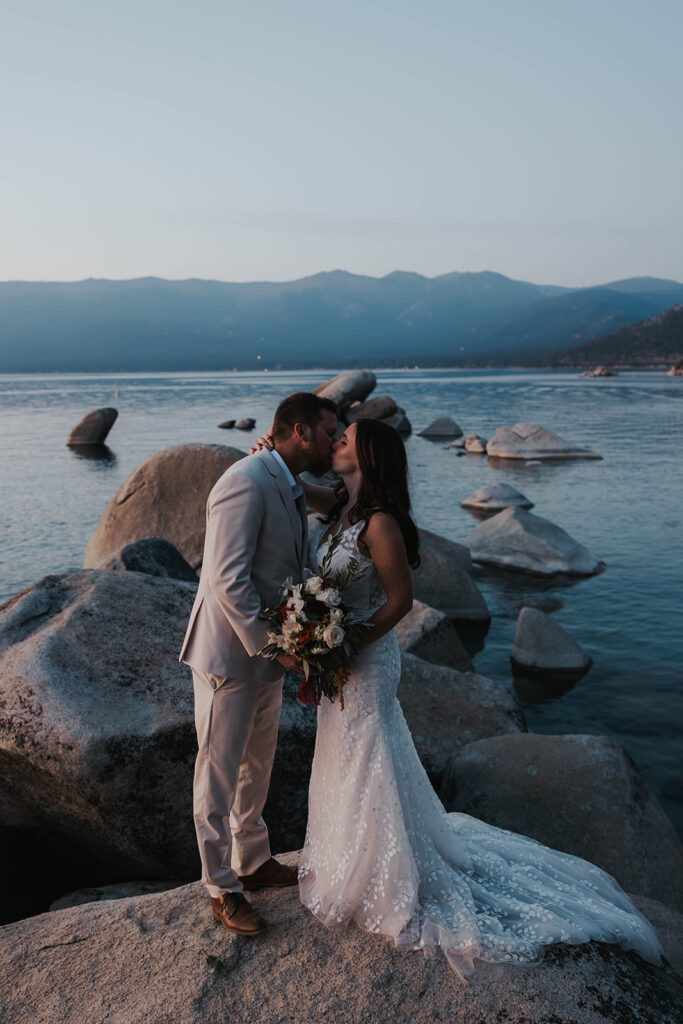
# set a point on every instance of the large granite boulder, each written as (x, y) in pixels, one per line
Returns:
(380, 407)
(579, 794)
(543, 647)
(431, 635)
(517, 539)
(164, 497)
(495, 497)
(442, 427)
(143, 960)
(446, 709)
(93, 428)
(153, 556)
(668, 923)
(444, 579)
(400, 422)
(529, 441)
(98, 743)
(347, 387)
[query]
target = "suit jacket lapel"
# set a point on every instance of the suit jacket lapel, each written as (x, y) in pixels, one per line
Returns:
(298, 524)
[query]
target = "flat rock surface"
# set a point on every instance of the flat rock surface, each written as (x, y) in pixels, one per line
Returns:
(541, 644)
(431, 635)
(495, 497)
(517, 539)
(142, 961)
(580, 794)
(529, 441)
(164, 497)
(444, 579)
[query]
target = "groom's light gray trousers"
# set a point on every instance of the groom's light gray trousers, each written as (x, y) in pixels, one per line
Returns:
(237, 724)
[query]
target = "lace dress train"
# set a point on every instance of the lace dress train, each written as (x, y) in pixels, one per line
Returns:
(382, 852)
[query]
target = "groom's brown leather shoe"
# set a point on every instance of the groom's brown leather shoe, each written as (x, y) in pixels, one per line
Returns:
(271, 873)
(236, 914)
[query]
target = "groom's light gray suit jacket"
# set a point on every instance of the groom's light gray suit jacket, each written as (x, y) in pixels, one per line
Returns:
(254, 541)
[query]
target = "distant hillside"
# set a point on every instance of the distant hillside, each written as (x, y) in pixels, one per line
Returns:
(657, 341)
(328, 319)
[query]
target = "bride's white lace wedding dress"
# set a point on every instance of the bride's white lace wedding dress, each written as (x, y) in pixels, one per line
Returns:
(381, 850)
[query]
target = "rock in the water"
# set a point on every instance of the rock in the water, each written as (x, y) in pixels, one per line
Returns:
(227, 425)
(444, 426)
(431, 635)
(494, 497)
(446, 709)
(120, 891)
(98, 741)
(517, 539)
(164, 497)
(528, 441)
(475, 445)
(381, 407)
(444, 580)
(579, 794)
(248, 423)
(459, 443)
(154, 556)
(676, 370)
(94, 427)
(143, 961)
(399, 421)
(543, 646)
(600, 371)
(347, 387)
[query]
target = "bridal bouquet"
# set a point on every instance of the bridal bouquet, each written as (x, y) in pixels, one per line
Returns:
(313, 623)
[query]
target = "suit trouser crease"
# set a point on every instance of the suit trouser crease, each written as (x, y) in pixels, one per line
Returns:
(237, 725)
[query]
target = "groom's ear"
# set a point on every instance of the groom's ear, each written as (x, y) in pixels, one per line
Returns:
(302, 433)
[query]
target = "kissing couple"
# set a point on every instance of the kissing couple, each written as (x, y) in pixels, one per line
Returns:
(380, 849)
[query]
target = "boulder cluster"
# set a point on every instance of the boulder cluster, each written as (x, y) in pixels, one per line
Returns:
(350, 392)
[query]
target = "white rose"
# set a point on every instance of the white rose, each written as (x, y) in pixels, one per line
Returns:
(333, 636)
(329, 596)
(336, 616)
(313, 585)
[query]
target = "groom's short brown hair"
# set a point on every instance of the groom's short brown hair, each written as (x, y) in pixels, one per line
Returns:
(301, 407)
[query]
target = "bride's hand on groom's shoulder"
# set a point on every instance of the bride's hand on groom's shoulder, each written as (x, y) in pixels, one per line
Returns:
(264, 441)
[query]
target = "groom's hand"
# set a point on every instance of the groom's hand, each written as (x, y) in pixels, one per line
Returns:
(291, 664)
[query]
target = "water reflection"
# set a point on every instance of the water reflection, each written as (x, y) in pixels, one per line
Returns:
(93, 452)
(542, 689)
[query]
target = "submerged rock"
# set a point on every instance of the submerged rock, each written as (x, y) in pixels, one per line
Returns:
(248, 423)
(442, 427)
(226, 425)
(579, 794)
(381, 407)
(164, 497)
(494, 497)
(154, 556)
(347, 387)
(446, 709)
(543, 646)
(431, 635)
(517, 539)
(444, 579)
(143, 959)
(94, 427)
(528, 441)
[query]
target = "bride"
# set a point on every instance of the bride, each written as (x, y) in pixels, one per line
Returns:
(380, 849)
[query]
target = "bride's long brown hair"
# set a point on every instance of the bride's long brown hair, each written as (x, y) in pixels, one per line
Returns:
(384, 487)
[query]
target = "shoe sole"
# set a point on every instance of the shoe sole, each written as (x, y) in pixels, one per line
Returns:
(238, 931)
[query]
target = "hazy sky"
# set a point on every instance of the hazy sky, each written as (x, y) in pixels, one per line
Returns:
(270, 140)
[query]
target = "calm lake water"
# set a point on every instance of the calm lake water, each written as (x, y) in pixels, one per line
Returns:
(628, 509)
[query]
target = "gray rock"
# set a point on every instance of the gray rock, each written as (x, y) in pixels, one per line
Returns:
(94, 427)
(668, 924)
(599, 371)
(446, 709)
(579, 794)
(444, 426)
(100, 893)
(154, 556)
(142, 961)
(444, 580)
(164, 497)
(475, 445)
(347, 387)
(431, 635)
(381, 407)
(494, 497)
(399, 421)
(98, 742)
(517, 539)
(529, 441)
(543, 646)
(459, 443)
(248, 423)
(227, 425)
(676, 370)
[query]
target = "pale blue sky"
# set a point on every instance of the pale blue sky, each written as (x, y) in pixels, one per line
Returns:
(266, 140)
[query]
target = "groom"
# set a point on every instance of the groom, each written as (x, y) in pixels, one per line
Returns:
(255, 538)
